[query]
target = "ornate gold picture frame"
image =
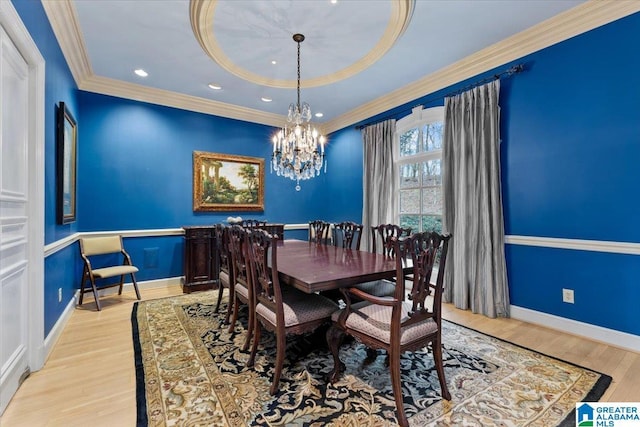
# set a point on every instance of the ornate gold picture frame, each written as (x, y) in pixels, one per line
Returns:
(223, 182)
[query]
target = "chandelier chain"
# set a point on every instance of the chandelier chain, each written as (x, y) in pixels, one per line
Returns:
(298, 75)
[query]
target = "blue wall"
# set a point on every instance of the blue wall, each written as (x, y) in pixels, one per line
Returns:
(135, 163)
(570, 129)
(570, 143)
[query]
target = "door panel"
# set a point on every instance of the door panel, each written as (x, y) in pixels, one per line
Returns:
(14, 230)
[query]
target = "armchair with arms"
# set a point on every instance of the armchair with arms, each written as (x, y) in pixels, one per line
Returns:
(396, 325)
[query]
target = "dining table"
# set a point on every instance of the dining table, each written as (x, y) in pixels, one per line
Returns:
(313, 267)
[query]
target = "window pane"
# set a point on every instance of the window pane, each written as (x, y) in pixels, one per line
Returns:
(410, 175)
(410, 201)
(432, 136)
(432, 223)
(409, 142)
(431, 200)
(410, 221)
(431, 173)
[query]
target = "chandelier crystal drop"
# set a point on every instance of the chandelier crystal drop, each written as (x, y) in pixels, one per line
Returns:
(298, 148)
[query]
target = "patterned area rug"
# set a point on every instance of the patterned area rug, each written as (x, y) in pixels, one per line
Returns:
(191, 371)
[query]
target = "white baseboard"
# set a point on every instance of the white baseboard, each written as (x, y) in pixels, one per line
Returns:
(597, 333)
(57, 329)
(52, 338)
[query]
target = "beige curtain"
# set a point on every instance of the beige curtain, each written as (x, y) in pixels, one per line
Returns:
(476, 276)
(379, 178)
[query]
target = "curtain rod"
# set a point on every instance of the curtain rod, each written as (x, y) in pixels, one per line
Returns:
(515, 69)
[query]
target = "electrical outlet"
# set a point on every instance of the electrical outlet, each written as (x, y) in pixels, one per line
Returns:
(567, 296)
(59, 294)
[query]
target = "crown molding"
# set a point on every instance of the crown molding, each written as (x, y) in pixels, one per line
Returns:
(582, 18)
(64, 22)
(122, 89)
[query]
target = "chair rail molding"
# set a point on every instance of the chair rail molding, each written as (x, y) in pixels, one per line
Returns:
(575, 244)
(629, 248)
(58, 245)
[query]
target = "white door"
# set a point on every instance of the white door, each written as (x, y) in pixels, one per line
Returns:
(14, 237)
(22, 344)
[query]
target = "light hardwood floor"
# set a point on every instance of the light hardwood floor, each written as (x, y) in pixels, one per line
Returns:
(89, 378)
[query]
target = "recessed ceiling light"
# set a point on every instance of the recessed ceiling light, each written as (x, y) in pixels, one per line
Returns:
(266, 99)
(274, 62)
(333, 1)
(141, 72)
(319, 115)
(215, 86)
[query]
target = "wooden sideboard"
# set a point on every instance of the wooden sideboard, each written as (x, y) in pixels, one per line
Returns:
(201, 258)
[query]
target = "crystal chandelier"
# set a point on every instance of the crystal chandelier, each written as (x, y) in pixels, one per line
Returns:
(295, 146)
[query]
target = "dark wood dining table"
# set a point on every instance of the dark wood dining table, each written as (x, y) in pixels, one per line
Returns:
(313, 267)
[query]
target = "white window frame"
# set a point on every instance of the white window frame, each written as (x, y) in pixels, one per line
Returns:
(418, 118)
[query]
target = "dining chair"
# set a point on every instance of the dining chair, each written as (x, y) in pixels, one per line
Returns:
(94, 249)
(242, 289)
(381, 239)
(319, 232)
(226, 278)
(347, 234)
(283, 311)
(395, 324)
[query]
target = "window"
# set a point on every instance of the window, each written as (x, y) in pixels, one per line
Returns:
(419, 160)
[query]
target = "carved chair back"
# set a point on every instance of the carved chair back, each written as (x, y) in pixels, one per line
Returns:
(263, 256)
(222, 244)
(347, 234)
(381, 237)
(319, 232)
(422, 250)
(237, 237)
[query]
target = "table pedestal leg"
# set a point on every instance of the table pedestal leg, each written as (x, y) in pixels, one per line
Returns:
(335, 335)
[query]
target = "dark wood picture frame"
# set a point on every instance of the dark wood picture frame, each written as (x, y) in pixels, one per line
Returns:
(66, 147)
(223, 182)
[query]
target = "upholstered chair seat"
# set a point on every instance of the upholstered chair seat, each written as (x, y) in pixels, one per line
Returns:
(375, 320)
(299, 308)
(224, 278)
(242, 288)
(102, 273)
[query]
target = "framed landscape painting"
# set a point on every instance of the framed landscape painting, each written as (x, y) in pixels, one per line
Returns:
(223, 182)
